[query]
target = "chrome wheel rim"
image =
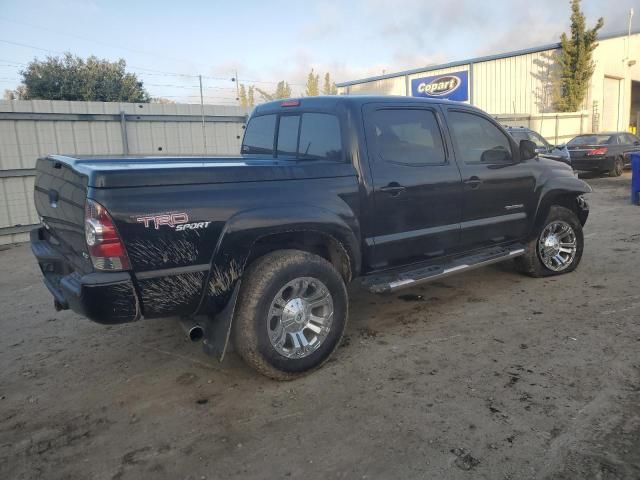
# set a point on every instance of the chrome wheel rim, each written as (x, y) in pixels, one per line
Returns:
(557, 246)
(300, 317)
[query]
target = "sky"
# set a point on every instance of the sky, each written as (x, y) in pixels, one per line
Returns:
(169, 43)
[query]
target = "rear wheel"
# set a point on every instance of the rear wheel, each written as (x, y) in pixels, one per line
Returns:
(557, 248)
(292, 311)
(618, 167)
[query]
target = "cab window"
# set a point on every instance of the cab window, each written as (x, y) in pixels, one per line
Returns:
(477, 140)
(407, 136)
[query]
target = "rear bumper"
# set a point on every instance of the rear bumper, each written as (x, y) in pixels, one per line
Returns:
(108, 297)
(592, 164)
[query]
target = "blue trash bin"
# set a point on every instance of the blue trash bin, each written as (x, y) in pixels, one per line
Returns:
(635, 178)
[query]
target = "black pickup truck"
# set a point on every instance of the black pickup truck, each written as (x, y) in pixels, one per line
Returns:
(258, 248)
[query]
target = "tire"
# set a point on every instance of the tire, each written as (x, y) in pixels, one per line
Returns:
(273, 304)
(618, 167)
(538, 260)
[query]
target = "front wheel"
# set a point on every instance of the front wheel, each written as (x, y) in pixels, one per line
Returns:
(558, 246)
(291, 314)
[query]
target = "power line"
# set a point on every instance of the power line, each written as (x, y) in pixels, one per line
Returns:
(99, 42)
(150, 70)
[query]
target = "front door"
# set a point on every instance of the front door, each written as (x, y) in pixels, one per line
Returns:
(498, 189)
(416, 185)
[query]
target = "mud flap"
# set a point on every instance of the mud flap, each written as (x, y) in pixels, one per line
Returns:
(217, 330)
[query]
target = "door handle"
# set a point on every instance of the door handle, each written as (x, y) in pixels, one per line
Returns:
(394, 189)
(473, 182)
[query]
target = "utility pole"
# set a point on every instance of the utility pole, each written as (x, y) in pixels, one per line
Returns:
(237, 87)
(204, 132)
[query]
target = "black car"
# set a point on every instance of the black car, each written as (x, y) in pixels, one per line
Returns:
(543, 148)
(603, 152)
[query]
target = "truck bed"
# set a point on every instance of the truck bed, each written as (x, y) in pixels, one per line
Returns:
(121, 172)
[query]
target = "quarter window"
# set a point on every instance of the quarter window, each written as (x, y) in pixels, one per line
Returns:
(478, 140)
(407, 136)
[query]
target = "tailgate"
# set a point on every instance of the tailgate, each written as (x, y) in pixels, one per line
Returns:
(59, 195)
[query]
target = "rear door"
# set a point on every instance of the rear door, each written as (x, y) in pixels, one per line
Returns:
(416, 184)
(498, 190)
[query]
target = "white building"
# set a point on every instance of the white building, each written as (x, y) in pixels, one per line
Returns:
(517, 87)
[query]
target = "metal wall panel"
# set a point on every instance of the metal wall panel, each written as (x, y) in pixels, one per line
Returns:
(24, 140)
(516, 85)
(387, 86)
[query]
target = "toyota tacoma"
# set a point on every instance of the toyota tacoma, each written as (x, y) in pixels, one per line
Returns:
(257, 249)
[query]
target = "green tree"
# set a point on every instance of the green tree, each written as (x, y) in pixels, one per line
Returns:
(251, 100)
(10, 95)
(313, 84)
(244, 102)
(329, 87)
(162, 101)
(575, 60)
(72, 78)
(283, 90)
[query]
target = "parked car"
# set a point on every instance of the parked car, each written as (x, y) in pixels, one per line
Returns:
(258, 248)
(543, 148)
(603, 152)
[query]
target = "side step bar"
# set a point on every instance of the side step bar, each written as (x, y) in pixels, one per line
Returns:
(387, 283)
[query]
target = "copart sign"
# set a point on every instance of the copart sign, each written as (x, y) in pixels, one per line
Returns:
(451, 86)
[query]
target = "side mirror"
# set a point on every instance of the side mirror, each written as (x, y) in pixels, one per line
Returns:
(496, 155)
(527, 150)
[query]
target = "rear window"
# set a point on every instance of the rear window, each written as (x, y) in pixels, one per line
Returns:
(288, 135)
(320, 137)
(590, 140)
(258, 138)
(306, 136)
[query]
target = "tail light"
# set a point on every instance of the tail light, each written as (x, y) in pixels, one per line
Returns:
(598, 151)
(105, 245)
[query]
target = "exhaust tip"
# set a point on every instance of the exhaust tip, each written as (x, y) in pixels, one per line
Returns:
(196, 333)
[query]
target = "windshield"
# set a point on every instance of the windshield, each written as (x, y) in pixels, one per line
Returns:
(590, 140)
(518, 136)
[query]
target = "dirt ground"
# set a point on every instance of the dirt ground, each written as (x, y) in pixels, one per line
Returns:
(484, 375)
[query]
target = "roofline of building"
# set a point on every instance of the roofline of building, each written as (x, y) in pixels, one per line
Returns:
(486, 58)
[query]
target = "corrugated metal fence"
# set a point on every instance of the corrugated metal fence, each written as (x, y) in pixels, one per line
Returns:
(35, 128)
(557, 128)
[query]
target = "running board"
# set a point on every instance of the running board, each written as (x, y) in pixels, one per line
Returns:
(387, 283)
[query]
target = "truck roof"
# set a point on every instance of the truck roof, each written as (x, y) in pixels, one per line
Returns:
(332, 102)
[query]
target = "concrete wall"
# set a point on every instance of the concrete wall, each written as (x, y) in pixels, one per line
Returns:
(611, 61)
(32, 129)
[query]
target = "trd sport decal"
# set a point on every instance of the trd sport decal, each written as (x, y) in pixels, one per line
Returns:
(179, 221)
